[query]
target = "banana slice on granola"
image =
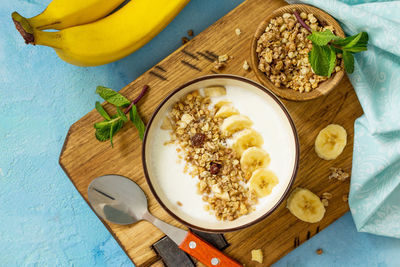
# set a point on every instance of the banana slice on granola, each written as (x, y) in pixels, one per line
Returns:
(234, 124)
(254, 158)
(306, 205)
(245, 139)
(221, 103)
(215, 91)
(262, 182)
(226, 111)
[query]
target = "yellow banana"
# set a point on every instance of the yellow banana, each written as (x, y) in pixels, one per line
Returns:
(114, 36)
(61, 14)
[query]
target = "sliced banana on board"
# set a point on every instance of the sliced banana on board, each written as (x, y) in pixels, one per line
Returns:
(245, 139)
(226, 111)
(215, 91)
(262, 182)
(330, 142)
(306, 205)
(235, 123)
(254, 158)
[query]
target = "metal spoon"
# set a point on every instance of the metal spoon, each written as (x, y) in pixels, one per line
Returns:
(119, 200)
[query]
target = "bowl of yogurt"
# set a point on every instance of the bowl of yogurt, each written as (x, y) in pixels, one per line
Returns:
(220, 153)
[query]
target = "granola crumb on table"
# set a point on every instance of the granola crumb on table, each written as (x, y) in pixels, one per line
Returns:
(207, 156)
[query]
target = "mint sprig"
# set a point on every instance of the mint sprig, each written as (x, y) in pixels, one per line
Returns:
(106, 129)
(326, 46)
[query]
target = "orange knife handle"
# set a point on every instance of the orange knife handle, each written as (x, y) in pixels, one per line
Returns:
(206, 253)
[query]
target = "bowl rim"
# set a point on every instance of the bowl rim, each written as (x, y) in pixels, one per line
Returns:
(258, 86)
(262, 77)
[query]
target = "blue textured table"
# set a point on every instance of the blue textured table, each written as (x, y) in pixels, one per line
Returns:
(44, 221)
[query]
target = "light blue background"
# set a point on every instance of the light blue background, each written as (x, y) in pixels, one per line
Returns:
(43, 219)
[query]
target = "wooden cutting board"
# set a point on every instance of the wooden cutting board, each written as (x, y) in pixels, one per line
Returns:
(83, 158)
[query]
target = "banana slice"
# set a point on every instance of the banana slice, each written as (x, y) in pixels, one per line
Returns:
(222, 103)
(330, 142)
(214, 91)
(262, 182)
(254, 158)
(166, 124)
(235, 123)
(246, 139)
(226, 111)
(305, 205)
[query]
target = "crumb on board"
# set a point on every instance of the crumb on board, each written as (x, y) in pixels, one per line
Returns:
(319, 251)
(179, 203)
(338, 174)
(219, 65)
(257, 255)
(325, 202)
(326, 195)
(345, 198)
(185, 40)
(223, 58)
(246, 65)
(238, 31)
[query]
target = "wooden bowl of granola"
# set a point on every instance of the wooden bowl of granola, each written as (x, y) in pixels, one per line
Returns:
(279, 53)
(192, 167)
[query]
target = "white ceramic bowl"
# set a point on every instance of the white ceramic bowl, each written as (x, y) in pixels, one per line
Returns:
(171, 185)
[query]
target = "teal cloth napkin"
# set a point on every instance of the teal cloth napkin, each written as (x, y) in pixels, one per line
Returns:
(375, 183)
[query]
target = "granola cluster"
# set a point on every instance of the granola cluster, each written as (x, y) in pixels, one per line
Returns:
(203, 147)
(283, 52)
(338, 174)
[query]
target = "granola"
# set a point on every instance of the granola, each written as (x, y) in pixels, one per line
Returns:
(283, 52)
(221, 181)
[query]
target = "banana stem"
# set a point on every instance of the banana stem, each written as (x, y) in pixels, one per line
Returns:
(33, 36)
(134, 102)
(24, 28)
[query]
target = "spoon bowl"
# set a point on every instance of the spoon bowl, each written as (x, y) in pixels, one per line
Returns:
(117, 199)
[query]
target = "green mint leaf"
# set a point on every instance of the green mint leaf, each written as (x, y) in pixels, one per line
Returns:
(112, 97)
(122, 115)
(336, 50)
(348, 60)
(332, 61)
(137, 121)
(102, 111)
(358, 40)
(102, 134)
(322, 60)
(103, 128)
(111, 133)
(322, 38)
(355, 49)
(102, 124)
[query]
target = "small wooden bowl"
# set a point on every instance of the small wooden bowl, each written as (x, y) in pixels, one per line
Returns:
(287, 93)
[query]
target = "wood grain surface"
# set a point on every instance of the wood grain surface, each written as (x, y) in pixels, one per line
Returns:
(83, 158)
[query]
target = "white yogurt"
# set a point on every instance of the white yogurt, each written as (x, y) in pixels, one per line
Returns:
(173, 185)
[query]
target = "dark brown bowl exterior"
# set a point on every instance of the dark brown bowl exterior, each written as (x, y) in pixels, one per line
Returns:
(286, 93)
(146, 139)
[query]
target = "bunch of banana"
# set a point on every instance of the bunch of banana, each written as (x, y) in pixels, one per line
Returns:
(88, 37)
(330, 142)
(306, 205)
